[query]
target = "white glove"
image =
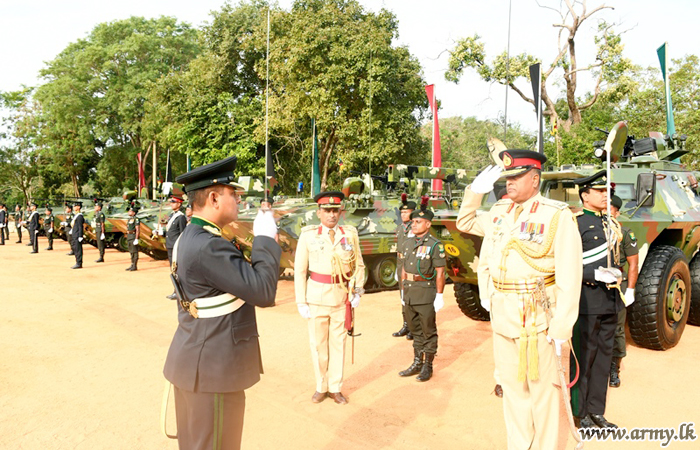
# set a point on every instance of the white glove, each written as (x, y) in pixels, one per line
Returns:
(607, 276)
(486, 304)
(484, 182)
(50, 230)
(629, 296)
(355, 300)
(102, 237)
(80, 239)
(136, 242)
(438, 303)
(264, 224)
(36, 231)
(63, 224)
(70, 232)
(557, 344)
(304, 310)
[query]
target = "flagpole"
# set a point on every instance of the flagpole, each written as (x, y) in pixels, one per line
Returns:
(267, 101)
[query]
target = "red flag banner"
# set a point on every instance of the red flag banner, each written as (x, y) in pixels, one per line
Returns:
(142, 177)
(437, 153)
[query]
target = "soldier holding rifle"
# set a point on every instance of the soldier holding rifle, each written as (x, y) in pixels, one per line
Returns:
(531, 244)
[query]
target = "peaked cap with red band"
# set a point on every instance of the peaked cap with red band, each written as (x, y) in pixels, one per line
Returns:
(176, 198)
(329, 199)
(516, 162)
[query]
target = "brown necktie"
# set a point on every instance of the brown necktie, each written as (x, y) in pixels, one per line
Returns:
(518, 210)
(331, 234)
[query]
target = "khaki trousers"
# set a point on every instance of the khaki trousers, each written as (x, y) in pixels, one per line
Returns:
(531, 408)
(327, 338)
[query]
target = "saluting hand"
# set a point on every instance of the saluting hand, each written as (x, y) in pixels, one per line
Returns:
(265, 225)
(484, 182)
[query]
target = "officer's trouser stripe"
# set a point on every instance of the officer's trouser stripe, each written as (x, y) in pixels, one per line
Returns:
(218, 421)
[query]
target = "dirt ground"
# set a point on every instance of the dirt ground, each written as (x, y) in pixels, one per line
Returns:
(83, 350)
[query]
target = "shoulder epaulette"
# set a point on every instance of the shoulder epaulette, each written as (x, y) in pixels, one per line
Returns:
(579, 213)
(503, 201)
(308, 227)
(349, 229)
(554, 203)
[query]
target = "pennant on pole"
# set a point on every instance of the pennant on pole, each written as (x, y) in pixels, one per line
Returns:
(142, 177)
(436, 154)
(536, 80)
(663, 59)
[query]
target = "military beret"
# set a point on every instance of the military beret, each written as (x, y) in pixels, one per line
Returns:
(516, 162)
(329, 199)
(219, 172)
(423, 212)
(616, 201)
(406, 204)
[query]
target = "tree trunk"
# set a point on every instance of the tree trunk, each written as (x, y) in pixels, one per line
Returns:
(76, 188)
(326, 153)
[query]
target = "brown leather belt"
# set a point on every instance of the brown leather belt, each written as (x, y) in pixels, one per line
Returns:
(325, 279)
(522, 286)
(414, 277)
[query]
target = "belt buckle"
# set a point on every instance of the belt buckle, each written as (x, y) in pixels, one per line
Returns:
(190, 307)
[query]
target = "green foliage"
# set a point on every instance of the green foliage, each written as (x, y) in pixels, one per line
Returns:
(103, 82)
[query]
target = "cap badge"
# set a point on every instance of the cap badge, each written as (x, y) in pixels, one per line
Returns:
(507, 160)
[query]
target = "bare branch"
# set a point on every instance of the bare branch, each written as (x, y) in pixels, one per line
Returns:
(583, 68)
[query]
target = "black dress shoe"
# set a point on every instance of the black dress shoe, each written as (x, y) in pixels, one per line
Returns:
(584, 422)
(70, 254)
(129, 269)
(171, 296)
(77, 266)
(409, 336)
(100, 260)
(498, 390)
(32, 252)
(601, 421)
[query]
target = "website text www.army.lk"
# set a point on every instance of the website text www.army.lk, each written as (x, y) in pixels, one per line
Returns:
(686, 432)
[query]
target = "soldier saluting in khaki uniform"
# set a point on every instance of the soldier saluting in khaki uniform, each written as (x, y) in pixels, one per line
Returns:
(328, 273)
(529, 241)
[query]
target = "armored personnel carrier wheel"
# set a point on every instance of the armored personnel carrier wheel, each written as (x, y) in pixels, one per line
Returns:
(662, 299)
(123, 244)
(384, 272)
(467, 296)
(694, 315)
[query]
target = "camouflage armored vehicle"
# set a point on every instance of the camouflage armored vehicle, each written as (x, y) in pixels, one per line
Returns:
(371, 205)
(150, 243)
(661, 204)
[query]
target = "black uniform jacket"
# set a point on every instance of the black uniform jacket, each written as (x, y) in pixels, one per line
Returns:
(596, 298)
(221, 354)
(34, 221)
(78, 227)
(175, 229)
(48, 222)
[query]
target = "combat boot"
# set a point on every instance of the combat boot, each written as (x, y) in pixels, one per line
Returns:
(402, 332)
(416, 367)
(615, 372)
(427, 371)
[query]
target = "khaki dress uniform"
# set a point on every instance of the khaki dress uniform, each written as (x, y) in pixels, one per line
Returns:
(522, 245)
(321, 283)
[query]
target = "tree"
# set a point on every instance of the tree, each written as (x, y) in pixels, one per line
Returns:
(95, 93)
(609, 64)
(18, 155)
(463, 141)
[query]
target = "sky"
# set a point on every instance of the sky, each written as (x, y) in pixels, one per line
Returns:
(33, 32)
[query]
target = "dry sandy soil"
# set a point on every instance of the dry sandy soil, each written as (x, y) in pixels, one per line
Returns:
(83, 351)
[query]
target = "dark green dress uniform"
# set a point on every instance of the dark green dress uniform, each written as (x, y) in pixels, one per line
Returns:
(212, 360)
(69, 231)
(403, 232)
(18, 226)
(77, 228)
(7, 223)
(423, 255)
(132, 224)
(34, 231)
(99, 227)
(628, 247)
(48, 229)
(3, 225)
